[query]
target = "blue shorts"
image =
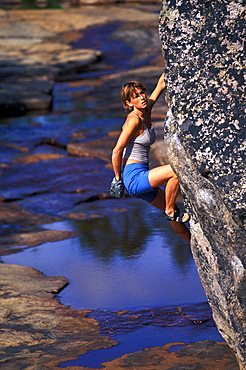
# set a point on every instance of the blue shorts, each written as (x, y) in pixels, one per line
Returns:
(136, 181)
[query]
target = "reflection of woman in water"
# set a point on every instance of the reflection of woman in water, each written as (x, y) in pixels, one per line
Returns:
(132, 151)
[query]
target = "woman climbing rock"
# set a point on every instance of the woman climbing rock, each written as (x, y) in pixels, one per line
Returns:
(130, 157)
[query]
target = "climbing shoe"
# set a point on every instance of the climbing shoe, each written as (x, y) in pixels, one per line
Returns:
(178, 216)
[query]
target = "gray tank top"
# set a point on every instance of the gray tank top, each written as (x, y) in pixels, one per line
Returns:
(138, 148)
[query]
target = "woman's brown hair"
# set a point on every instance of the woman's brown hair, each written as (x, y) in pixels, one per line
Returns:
(127, 92)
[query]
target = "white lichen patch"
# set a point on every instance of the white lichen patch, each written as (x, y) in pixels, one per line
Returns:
(237, 268)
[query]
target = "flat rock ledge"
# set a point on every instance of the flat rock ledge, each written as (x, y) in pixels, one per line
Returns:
(35, 327)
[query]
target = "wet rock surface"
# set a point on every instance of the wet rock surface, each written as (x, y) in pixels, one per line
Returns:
(206, 355)
(205, 136)
(115, 322)
(53, 167)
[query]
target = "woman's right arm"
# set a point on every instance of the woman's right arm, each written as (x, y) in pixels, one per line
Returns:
(128, 132)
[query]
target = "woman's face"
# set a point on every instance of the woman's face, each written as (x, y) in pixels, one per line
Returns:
(139, 99)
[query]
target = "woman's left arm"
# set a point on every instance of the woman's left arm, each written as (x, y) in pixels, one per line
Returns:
(160, 87)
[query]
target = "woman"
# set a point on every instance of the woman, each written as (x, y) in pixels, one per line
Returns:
(132, 154)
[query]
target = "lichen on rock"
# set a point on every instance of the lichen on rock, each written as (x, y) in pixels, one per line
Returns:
(204, 50)
(203, 46)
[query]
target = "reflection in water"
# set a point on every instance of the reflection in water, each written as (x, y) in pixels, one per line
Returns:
(126, 260)
(127, 231)
(181, 257)
(123, 235)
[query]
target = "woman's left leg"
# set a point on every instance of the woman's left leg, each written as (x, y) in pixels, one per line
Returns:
(180, 229)
(159, 201)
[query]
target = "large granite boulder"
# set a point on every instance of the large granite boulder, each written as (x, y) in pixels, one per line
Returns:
(203, 45)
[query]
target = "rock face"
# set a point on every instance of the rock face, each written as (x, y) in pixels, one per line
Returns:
(205, 132)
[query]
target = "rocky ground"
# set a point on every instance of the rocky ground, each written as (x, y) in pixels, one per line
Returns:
(37, 332)
(41, 180)
(36, 51)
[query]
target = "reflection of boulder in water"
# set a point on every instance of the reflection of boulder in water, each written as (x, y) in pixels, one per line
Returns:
(125, 232)
(203, 42)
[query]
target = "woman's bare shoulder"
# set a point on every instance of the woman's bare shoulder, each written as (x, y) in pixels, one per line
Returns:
(132, 121)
